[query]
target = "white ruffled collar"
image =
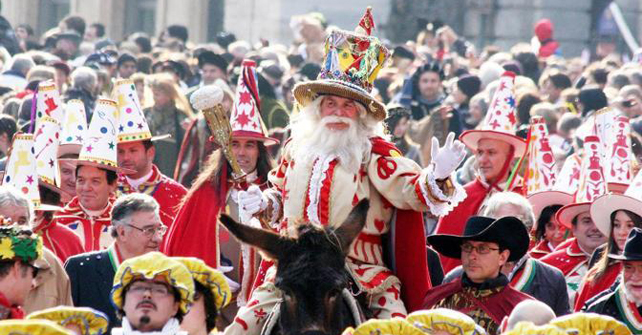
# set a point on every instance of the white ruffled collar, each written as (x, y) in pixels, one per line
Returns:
(172, 327)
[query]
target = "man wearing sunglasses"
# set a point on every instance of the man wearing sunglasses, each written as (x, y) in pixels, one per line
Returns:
(482, 292)
(137, 230)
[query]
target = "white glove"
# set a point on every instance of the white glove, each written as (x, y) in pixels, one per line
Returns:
(251, 202)
(447, 158)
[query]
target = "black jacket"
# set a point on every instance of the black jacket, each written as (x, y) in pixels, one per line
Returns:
(92, 276)
(607, 305)
(548, 286)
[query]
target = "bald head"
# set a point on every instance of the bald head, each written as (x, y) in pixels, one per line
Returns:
(534, 311)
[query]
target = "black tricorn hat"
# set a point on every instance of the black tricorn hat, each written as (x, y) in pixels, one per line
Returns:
(632, 247)
(509, 232)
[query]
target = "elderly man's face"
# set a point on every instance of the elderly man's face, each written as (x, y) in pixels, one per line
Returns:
(143, 234)
(485, 264)
(149, 304)
(338, 107)
(17, 214)
(491, 156)
(632, 272)
(587, 234)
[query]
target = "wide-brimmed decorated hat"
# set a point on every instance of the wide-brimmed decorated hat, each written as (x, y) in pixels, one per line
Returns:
(100, 143)
(632, 248)
(590, 323)
(500, 122)
(20, 171)
(246, 119)
(480, 228)
(48, 102)
(210, 278)
(541, 174)
(529, 328)
(20, 244)
(592, 183)
(352, 61)
(396, 326)
(132, 123)
(150, 266)
(74, 128)
(45, 145)
(604, 206)
(32, 327)
(614, 130)
(444, 320)
(88, 320)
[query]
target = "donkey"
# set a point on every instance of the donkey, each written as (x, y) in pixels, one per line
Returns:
(311, 272)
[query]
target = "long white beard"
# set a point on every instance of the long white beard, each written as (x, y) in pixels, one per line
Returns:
(311, 138)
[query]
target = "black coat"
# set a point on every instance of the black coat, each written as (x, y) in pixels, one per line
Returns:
(548, 286)
(607, 305)
(92, 276)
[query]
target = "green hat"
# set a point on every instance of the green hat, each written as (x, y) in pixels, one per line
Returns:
(19, 244)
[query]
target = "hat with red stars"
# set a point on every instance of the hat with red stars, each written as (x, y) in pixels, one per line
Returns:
(99, 145)
(48, 101)
(20, 171)
(541, 171)
(500, 121)
(614, 131)
(349, 69)
(132, 123)
(74, 127)
(46, 141)
(246, 117)
(592, 183)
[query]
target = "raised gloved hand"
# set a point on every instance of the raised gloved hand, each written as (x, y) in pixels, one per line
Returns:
(250, 203)
(447, 158)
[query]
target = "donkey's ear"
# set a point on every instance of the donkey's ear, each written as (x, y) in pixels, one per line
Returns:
(353, 224)
(270, 243)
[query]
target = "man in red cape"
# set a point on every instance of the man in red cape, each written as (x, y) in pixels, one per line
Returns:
(494, 146)
(482, 291)
(333, 160)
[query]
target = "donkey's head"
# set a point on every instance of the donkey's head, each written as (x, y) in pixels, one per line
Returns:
(310, 270)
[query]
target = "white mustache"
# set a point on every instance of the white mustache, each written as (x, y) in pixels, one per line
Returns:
(336, 119)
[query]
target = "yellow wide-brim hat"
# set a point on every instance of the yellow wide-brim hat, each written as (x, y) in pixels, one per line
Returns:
(443, 319)
(212, 279)
(32, 327)
(396, 326)
(154, 265)
(528, 328)
(89, 320)
(590, 323)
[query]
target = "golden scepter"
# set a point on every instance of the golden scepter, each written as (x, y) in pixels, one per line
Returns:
(208, 100)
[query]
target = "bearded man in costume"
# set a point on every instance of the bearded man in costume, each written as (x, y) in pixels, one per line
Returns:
(333, 160)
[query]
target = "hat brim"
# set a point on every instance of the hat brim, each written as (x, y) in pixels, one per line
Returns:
(308, 91)
(567, 213)
(626, 257)
(541, 200)
(497, 232)
(66, 149)
(602, 208)
(254, 136)
(471, 139)
(153, 139)
(617, 188)
(98, 165)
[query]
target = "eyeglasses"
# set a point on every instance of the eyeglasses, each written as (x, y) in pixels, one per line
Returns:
(159, 290)
(481, 249)
(150, 231)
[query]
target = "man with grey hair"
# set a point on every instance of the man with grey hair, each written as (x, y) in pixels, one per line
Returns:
(16, 76)
(528, 275)
(83, 87)
(137, 230)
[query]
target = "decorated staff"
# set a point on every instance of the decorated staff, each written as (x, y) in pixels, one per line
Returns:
(208, 100)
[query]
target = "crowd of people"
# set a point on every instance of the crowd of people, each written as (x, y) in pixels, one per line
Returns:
(337, 185)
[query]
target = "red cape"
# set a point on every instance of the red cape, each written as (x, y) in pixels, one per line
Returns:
(589, 289)
(540, 250)
(61, 240)
(194, 233)
(497, 306)
(566, 259)
(73, 213)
